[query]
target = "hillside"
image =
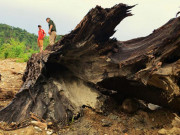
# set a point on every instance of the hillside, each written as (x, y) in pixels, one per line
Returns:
(18, 43)
(8, 32)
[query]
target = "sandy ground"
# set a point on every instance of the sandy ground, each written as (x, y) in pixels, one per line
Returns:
(115, 123)
(10, 83)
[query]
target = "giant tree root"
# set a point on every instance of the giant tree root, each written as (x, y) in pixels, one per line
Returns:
(86, 67)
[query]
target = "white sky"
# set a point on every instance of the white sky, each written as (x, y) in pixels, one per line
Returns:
(27, 14)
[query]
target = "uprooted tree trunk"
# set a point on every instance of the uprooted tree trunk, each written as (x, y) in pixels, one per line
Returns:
(86, 67)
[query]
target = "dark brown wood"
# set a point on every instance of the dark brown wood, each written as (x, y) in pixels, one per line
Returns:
(86, 68)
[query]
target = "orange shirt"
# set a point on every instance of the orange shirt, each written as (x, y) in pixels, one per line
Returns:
(41, 34)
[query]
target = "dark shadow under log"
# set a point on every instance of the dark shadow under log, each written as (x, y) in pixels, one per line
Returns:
(86, 67)
(133, 89)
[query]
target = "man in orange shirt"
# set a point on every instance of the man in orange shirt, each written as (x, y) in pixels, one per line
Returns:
(41, 36)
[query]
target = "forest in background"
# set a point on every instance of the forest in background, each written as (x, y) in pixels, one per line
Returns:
(18, 43)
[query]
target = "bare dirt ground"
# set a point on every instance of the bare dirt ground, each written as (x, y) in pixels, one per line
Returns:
(142, 122)
(10, 83)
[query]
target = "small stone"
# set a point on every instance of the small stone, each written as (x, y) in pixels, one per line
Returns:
(153, 107)
(49, 123)
(38, 129)
(119, 120)
(113, 117)
(125, 131)
(49, 132)
(176, 122)
(106, 123)
(162, 131)
(108, 59)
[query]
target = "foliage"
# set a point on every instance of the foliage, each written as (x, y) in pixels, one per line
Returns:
(15, 49)
(18, 43)
(8, 32)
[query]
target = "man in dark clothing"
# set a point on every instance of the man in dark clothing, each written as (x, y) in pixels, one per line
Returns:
(52, 31)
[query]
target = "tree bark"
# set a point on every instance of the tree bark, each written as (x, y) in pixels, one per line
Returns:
(86, 67)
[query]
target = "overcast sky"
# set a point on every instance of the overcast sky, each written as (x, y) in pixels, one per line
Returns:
(27, 14)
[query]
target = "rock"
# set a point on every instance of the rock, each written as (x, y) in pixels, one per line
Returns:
(175, 130)
(172, 131)
(49, 132)
(106, 123)
(119, 120)
(153, 107)
(39, 124)
(130, 105)
(176, 122)
(125, 131)
(116, 131)
(38, 129)
(113, 117)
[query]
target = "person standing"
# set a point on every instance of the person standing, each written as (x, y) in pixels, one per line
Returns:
(41, 36)
(52, 31)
